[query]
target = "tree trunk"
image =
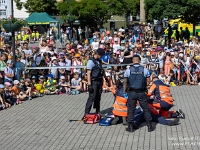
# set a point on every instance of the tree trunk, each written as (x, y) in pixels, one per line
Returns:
(194, 29)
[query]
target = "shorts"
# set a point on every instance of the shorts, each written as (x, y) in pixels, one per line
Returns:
(68, 72)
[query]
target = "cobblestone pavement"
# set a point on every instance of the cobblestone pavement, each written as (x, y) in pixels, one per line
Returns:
(43, 124)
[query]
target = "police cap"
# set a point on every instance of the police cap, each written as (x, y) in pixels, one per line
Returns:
(134, 56)
(100, 51)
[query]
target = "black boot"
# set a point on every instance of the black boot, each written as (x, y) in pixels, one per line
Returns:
(131, 127)
(124, 121)
(149, 126)
(174, 122)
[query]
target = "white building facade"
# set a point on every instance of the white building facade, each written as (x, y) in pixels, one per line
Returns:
(5, 10)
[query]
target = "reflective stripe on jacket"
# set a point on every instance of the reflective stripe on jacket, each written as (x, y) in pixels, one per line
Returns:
(161, 92)
(119, 107)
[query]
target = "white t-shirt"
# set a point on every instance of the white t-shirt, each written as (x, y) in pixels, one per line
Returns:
(116, 47)
(95, 45)
(27, 52)
(75, 82)
(9, 71)
(77, 63)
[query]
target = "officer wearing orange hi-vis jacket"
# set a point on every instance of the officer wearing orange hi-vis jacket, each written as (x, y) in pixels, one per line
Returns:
(163, 99)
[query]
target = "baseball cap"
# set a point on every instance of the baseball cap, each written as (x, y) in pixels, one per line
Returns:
(122, 42)
(41, 77)
(62, 77)
(9, 62)
(79, 46)
(16, 82)
(7, 83)
(109, 67)
(28, 80)
(33, 77)
(115, 32)
(121, 72)
(49, 75)
(100, 51)
(132, 46)
(186, 44)
(37, 48)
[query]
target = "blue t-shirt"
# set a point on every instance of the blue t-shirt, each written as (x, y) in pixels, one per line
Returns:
(146, 72)
(106, 57)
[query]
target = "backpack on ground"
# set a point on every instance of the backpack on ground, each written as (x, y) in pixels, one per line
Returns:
(92, 118)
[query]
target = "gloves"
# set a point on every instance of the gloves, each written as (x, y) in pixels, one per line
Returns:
(126, 95)
(90, 88)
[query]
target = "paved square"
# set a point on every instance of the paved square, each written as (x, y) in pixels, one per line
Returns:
(43, 124)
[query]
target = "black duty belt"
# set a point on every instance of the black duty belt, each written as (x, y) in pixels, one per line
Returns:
(97, 79)
(137, 90)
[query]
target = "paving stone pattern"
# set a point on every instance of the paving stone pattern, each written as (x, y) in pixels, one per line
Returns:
(43, 124)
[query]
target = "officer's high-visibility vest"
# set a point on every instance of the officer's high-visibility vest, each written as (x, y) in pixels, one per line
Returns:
(119, 107)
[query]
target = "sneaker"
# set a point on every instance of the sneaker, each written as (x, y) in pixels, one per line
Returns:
(29, 98)
(73, 92)
(115, 120)
(77, 92)
(180, 114)
(174, 122)
(172, 84)
(19, 102)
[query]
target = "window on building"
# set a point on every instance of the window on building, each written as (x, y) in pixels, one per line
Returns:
(2, 1)
(2, 13)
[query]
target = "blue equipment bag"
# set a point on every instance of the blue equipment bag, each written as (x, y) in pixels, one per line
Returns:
(106, 121)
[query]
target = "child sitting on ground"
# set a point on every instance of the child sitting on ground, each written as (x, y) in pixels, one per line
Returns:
(40, 86)
(8, 94)
(76, 84)
(20, 96)
(25, 88)
(4, 104)
(194, 78)
(50, 85)
(64, 86)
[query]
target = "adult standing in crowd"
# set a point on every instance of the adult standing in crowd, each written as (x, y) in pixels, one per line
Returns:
(137, 78)
(95, 81)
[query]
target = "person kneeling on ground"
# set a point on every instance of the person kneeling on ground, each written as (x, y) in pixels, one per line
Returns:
(162, 99)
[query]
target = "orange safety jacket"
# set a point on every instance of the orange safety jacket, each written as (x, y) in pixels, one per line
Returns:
(161, 92)
(153, 109)
(119, 107)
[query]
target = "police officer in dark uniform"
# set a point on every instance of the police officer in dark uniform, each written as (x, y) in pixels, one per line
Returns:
(95, 75)
(135, 80)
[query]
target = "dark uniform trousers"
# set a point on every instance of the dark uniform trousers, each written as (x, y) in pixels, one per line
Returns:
(94, 97)
(141, 97)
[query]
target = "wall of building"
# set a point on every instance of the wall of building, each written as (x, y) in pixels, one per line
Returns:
(5, 10)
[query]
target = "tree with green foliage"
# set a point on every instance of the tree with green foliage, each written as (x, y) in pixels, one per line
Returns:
(97, 11)
(187, 10)
(48, 6)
